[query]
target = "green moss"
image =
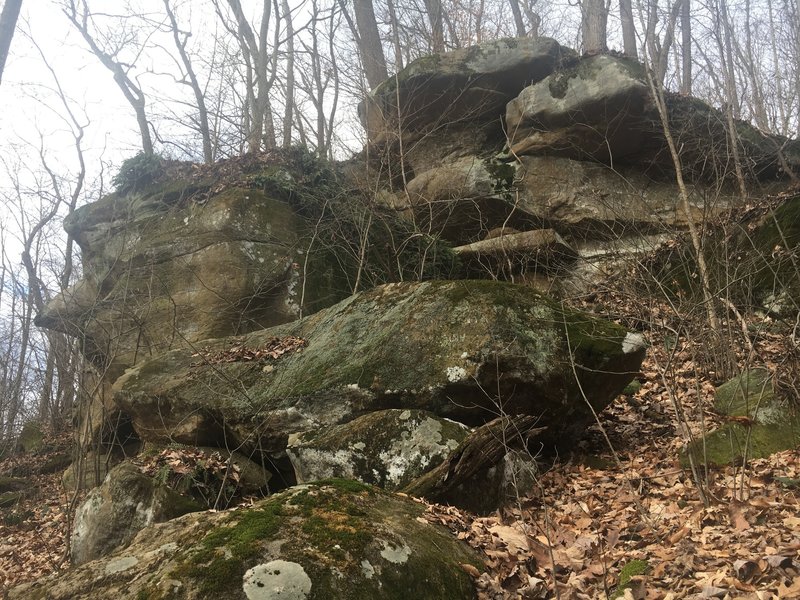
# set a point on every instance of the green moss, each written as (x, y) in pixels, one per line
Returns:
(628, 572)
(31, 438)
(502, 174)
(9, 499)
(346, 485)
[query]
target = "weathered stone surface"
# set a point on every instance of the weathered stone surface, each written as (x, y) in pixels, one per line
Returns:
(772, 424)
(161, 272)
(386, 448)
(445, 347)
(537, 251)
(115, 512)
(334, 540)
(491, 468)
(31, 438)
(468, 85)
(600, 108)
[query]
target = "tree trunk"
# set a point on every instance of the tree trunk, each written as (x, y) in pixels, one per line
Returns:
(628, 29)
(8, 25)
(518, 22)
(369, 44)
(434, 10)
(205, 132)
(593, 26)
(287, 116)
(686, 47)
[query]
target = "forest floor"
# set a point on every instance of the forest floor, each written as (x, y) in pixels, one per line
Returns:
(597, 517)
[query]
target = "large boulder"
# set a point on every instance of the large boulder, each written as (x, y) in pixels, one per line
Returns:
(759, 423)
(600, 108)
(336, 539)
(455, 99)
(387, 448)
(161, 271)
(115, 512)
(462, 350)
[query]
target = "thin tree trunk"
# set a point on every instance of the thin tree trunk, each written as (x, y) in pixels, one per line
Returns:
(369, 44)
(628, 29)
(287, 116)
(8, 25)
(686, 48)
(518, 22)
(205, 132)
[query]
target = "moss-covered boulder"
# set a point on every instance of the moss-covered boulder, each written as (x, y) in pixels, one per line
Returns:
(334, 539)
(31, 438)
(761, 422)
(115, 512)
(462, 350)
(162, 271)
(387, 448)
(600, 108)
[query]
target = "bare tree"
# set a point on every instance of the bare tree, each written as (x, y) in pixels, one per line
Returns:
(628, 29)
(369, 43)
(181, 38)
(261, 67)
(434, 10)
(8, 24)
(79, 15)
(594, 19)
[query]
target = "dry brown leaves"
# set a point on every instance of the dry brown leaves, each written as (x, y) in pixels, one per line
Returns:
(586, 523)
(33, 531)
(239, 352)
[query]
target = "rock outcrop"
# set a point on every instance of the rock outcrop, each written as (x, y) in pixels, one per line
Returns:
(462, 350)
(760, 423)
(116, 511)
(600, 108)
(330, 540)
(388, 448)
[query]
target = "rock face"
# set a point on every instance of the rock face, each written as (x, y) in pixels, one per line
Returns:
(600, 108)
(332, 540)
(163, 272)
(457, 349)
(387, 448)
(123, 505)
(580, 150)
(468, 85)
(772, 424)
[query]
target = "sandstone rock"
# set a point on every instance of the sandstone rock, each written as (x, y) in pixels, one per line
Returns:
(160, 272)
(115, 512)
(468, 85)
(334, 540)
(445, 347)
(386, 448)
(771, 424)
(31, 438)
(600, 108)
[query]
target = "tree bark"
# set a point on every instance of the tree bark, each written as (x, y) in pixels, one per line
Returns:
(369, 44)
(686, 47)
(518, 22)
(205, 132)
(8, 25)
(132, 92)
(594, 17)
(434, 10)
(628, 29)
(482, 449)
